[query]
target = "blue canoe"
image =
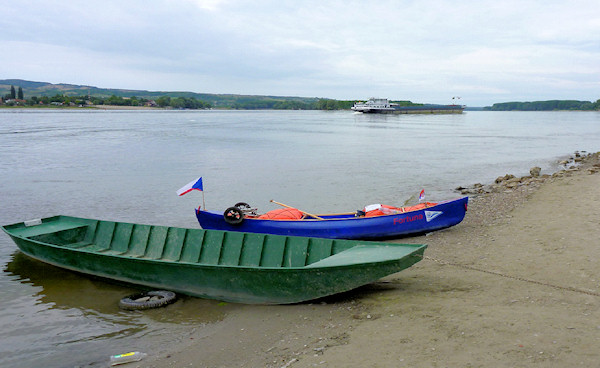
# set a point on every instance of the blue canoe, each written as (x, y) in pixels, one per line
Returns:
(348, 225)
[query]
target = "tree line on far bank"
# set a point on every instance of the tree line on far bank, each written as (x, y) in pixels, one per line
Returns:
(175, 102)
(189, 100)
(62, 100)
(180, 102)
(551, 105)
(282, 104)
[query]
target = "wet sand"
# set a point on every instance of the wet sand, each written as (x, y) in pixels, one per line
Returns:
(516, 284)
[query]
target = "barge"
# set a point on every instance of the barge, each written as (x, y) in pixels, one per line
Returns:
(384, 106)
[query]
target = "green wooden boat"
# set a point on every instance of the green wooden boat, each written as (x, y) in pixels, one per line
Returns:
(230, 266)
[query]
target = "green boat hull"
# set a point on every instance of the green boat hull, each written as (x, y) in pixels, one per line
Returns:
(229, 266)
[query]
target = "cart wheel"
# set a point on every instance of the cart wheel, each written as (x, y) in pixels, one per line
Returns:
(242, 205)
(233, 216)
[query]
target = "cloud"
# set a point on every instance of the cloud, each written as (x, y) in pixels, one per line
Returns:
(204, 4)
(425, 50)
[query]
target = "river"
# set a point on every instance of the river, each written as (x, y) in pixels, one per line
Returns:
(127, 166)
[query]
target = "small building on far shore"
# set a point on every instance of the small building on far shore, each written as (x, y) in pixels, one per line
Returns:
(13, 102)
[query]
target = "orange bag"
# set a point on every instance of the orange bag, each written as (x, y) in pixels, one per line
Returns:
(374, 213)
(382, 210)
(419, 206)
(282, 214)
(390, 210)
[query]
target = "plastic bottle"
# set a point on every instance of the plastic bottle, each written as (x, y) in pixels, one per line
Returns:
(133, 356)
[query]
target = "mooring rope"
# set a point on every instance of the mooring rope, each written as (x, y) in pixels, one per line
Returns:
(568, 288)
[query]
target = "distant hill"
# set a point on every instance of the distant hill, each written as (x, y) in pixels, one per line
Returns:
(6, 83)
(40, 89)
(227, 101)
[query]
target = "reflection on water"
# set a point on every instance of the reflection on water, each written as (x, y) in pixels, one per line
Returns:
(65, 317)
(63, 289)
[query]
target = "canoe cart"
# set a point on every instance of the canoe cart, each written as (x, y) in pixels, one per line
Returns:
(372, 222)
(229, 266)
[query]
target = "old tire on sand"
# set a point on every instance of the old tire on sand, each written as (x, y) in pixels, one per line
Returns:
(147, 300)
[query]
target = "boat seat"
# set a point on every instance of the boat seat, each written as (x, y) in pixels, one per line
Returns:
(52, 226)
(363, 253)
(80, 244)
(93, 247)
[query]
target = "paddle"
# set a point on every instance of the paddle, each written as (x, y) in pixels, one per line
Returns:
(306, 213)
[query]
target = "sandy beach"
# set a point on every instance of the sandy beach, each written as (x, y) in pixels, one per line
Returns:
(516, 284)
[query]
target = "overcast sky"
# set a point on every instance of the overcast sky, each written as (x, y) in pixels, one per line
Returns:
(423, 51)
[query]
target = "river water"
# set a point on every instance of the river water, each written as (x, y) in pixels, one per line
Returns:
(127, 166)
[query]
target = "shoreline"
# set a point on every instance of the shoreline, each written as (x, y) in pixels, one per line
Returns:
(515, 284)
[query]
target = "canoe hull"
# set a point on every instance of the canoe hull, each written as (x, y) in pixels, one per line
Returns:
(356, 265)
(440, 216)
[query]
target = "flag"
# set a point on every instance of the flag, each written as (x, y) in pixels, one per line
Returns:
(422, 195)
(192, 185)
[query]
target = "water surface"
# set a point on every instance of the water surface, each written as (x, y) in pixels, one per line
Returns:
(127, 166)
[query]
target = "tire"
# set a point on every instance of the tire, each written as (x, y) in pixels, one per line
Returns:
(242, 205)
(147, 300)
(233, 216)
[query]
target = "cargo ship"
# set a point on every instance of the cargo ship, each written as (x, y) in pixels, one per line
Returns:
(384, 106)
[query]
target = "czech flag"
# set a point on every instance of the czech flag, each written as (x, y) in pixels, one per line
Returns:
(422, 195)
(192, 185)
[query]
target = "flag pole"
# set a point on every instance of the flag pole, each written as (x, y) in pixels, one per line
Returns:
(203, 205)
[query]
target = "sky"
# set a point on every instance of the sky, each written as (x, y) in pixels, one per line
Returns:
(426, 51)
